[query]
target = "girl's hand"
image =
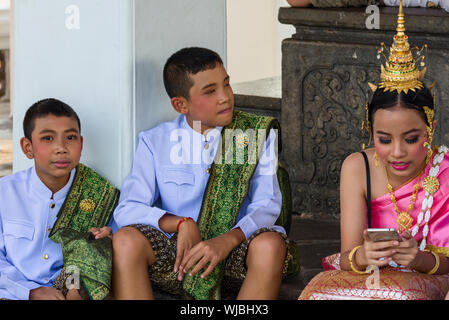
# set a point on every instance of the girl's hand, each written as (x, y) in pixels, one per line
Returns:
(372, 252)
(407, 251)
(102, 232)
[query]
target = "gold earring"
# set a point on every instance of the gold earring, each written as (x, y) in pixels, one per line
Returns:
(377, 159)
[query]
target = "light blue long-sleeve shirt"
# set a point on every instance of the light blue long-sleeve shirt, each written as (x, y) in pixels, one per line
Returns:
(28, 258)
(170, 174)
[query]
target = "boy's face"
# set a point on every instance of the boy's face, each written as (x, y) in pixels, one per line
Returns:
(55, 147)
(211, 99)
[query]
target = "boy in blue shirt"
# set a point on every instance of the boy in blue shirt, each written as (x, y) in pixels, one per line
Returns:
(52, 204)
(190, 221)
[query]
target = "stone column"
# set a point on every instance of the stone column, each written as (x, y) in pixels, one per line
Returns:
(326, 67)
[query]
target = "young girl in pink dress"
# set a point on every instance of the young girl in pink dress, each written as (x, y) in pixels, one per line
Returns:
(401, 183)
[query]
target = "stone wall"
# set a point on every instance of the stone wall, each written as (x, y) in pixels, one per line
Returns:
(326, 68)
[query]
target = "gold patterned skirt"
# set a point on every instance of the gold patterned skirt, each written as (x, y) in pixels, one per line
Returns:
(381, 284)
(162, 275)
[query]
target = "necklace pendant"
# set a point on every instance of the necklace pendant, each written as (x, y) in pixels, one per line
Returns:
(404, 221)
(431, 184)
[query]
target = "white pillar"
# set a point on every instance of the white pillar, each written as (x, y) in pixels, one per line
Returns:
(105, 59)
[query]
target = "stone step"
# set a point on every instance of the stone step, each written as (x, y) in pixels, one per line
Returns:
(316, 237)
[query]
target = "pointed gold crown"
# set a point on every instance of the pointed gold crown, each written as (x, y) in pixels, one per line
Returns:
(400, 72)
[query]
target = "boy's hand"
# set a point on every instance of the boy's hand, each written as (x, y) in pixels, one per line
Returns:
(102, 232)
(73, 294)
(46, 293)
(210, 252)
(188, 236)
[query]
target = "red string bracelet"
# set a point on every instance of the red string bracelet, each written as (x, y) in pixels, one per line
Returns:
(181, 221)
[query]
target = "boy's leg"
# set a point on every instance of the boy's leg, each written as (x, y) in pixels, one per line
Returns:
(265, 263)
(132, 255)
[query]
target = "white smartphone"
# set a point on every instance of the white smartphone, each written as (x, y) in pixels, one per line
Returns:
(383, 234)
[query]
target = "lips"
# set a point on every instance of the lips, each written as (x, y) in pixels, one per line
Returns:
(61, 164)
(399, 165)
(225, 111)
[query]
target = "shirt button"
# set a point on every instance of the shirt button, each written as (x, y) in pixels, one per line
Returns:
(206, 146)
(45, 256)
(52, 205)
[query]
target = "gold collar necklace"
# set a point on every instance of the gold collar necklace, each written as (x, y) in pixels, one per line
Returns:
(404, 219)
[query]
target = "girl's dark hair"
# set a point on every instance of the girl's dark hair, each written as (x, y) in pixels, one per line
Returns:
(44, 108)
(412, 99)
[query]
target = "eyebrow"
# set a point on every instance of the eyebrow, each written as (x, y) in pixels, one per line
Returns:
(53, 131)
(213, 84)
(405, 133)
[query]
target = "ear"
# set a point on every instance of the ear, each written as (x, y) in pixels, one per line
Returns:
(27, 147)
(180, 104)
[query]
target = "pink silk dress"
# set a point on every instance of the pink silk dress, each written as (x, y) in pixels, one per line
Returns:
(393, 283)
(383, 214)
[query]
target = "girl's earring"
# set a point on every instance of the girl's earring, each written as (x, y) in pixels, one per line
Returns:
(377, 159)
(430, 151)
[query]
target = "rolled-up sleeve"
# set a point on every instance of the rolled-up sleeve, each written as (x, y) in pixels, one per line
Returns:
(139, 191)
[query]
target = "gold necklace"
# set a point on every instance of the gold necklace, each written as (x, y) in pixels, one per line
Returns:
(404, 220)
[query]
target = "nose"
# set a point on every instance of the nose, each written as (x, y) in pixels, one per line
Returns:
(225, 95)
(60, 146)
(398, 151)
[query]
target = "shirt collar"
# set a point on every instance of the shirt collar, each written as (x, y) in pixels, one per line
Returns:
(204, 138)
(42, 190)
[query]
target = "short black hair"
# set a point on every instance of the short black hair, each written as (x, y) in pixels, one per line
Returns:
(184, 63)
(416, 100)
(46, 107)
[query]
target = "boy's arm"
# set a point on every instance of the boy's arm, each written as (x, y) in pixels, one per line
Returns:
(264, 201)
(139, 191)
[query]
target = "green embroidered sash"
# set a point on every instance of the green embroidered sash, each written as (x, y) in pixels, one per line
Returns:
(225, 192)
(89, 203)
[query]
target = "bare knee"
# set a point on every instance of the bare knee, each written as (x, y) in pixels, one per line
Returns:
(130, 246)
(268, 246)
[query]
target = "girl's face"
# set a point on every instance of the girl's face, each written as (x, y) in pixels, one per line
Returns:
(399, 135)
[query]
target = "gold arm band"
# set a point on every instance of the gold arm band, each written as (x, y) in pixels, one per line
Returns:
(437, 262)
(351, 254)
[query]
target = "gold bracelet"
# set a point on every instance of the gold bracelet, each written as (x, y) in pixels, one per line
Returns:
(437, 262)
(350, 261)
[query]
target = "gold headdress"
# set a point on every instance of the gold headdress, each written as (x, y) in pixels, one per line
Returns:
(400, 72)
